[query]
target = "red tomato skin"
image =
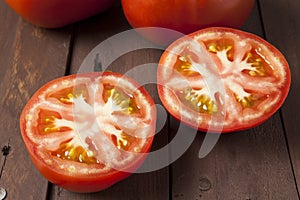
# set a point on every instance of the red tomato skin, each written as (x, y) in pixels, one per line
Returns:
(231, 127)
(187, 16)
(80, 183)
(57, 13)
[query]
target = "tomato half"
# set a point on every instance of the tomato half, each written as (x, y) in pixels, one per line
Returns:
(185, 16)
(86, 132)
(222, 78)
(57, 13)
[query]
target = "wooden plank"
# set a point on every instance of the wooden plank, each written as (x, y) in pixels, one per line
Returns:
(252, 164)
(6, 39)
(152, 185)
(281, 22)
(90, 33)
(29, 57)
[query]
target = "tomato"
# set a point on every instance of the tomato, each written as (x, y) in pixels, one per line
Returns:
(86, 132)
(222, 79)
(57, 13)
(185, 16)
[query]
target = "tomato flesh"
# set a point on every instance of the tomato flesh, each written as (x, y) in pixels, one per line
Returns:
(254, 75)
(87, 132)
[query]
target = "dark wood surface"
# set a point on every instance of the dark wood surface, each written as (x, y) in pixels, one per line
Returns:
(260, 163)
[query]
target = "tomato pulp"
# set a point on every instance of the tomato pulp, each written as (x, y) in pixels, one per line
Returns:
(222, 79)
(86, 132)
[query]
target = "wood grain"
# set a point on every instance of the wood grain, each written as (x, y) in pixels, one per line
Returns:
(282, 20)
(88, 34)
(5, 51)
(260, 163)
(252, 164)
(29, 57)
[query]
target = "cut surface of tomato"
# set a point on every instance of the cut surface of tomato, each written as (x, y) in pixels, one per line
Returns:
(222, 79)
(86, 132)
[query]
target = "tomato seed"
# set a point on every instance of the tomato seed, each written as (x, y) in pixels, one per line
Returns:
(200, 102)
(220, 46)
(77, 154)
(125, 102)
(137, 149)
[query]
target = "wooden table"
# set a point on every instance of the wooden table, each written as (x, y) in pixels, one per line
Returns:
(260, 163)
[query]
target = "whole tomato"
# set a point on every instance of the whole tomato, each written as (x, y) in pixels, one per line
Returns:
(184, 16)
(187, 16)
(57, 13)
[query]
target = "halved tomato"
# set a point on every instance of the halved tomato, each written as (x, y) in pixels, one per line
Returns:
(222, 79)
(86, 132)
